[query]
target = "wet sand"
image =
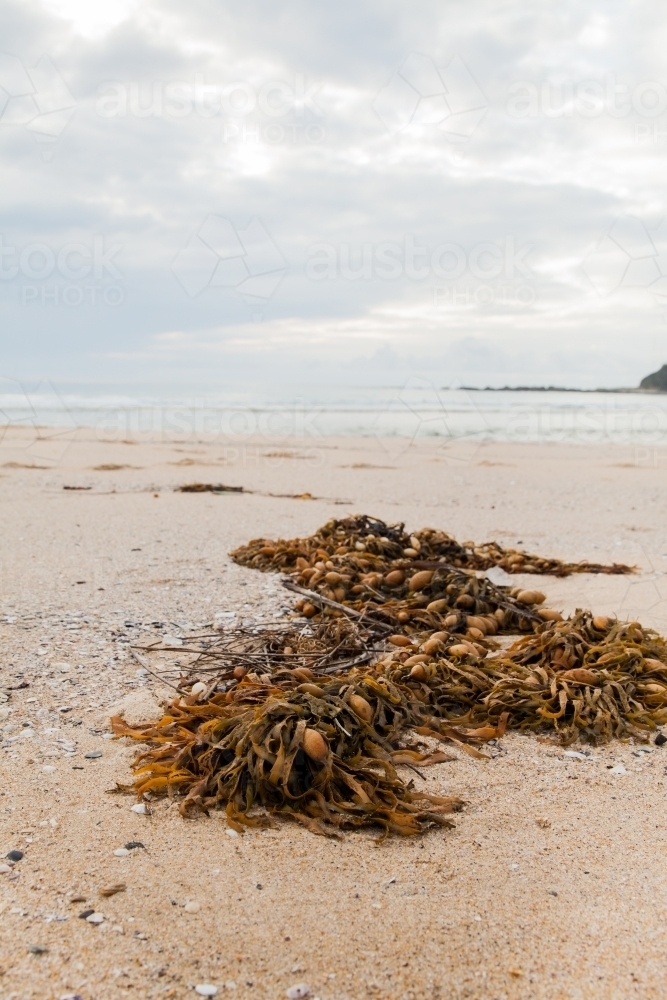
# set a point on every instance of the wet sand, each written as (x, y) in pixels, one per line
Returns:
(551, 885)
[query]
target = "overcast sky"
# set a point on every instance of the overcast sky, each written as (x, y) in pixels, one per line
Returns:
(353, 192)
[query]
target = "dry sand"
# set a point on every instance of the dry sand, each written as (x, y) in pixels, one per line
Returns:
(553, 883)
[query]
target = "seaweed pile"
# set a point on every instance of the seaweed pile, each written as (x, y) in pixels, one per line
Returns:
(311, 718)
(365, 544)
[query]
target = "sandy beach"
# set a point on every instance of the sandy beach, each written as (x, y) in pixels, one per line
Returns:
(551, 885)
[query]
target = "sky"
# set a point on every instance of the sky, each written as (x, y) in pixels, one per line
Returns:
(359, 193)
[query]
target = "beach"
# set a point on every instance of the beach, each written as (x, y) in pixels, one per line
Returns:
(552, 883)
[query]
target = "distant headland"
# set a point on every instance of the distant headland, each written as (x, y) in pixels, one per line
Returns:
(655, 382)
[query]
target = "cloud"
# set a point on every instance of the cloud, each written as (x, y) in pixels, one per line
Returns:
(334, 128)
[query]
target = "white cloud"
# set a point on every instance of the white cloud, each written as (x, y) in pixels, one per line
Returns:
(337, 127)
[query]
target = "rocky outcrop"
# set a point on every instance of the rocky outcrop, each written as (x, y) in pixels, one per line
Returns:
(657, 381)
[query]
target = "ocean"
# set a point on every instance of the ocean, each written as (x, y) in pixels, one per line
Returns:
(415, 410)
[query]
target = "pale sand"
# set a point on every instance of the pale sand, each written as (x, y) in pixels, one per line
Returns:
(498, 907)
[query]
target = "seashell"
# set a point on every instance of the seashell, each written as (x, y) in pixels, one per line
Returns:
(315, 745)
(420, 580)
(547, 615)
(198, 688)
(361, 707)
(418, 672)
(581, 675)
(531, 597)
(394, 578)
(399, 640)
(437, 606)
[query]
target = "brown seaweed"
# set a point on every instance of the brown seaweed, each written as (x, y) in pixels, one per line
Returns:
(311, 719)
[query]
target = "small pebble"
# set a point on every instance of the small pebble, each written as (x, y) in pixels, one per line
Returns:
(95, 918)
(93, 754)
(298, 991)
(121, 852)
(111, 890)
(660, 740)
(140, 809)
(133, 844)
(85, 914)
(48, 769)
(38, 949)
(206, 990)
(4, 869)
(231, 833)
(619, 769)
(14, 855)
(192, 907)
